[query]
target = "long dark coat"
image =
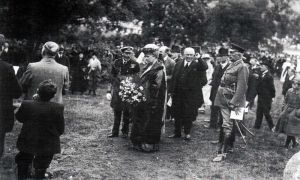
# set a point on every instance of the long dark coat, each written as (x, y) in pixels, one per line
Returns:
(79, 76)
(194, 81)
(43, 123)
(9, 89)
(147, 117)
(216, 80)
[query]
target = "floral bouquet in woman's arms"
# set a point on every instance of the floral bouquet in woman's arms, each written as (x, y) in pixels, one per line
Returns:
(131, 93)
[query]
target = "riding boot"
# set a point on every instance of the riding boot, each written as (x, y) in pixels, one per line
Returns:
(221, 141)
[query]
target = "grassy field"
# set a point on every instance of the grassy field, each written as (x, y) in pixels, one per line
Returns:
(87, 153)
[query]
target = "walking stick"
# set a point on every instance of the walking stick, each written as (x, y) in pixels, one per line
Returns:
(247, 129)
(243, 137)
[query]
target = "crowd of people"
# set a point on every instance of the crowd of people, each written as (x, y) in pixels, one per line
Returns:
(147, 91)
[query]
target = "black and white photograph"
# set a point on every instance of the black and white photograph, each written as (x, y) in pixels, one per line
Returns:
(149, 89)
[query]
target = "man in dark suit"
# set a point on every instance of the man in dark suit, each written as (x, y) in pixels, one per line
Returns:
(122, 68)
(9, 89)
(188, 79)
(61, 58)
(265, 92)
(223, 63)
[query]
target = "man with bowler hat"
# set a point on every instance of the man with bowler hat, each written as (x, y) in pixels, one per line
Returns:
(221, 66)
(266, 92)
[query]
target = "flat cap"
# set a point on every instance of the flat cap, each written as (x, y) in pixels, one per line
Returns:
(51, 48)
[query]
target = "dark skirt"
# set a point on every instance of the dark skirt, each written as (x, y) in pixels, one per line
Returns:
(147, 124)
(93, 79)
(79, 82)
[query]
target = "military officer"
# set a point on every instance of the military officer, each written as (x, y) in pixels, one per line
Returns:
(231, 96)
(123, 67)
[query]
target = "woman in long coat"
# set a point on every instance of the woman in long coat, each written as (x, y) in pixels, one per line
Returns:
(289, 120)
(148, 116)
(79, 79)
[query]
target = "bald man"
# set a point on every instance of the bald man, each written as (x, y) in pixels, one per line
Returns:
(186, 90)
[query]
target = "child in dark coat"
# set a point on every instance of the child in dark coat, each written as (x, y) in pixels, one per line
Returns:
(43, 123)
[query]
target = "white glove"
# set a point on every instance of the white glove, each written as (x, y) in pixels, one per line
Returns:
(108, 96)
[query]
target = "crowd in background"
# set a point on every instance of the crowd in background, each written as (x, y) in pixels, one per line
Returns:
(191, 78)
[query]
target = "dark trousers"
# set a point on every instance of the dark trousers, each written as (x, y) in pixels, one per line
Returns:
(263, 109)
(185, 122)
(215, 117)
(2, 143)
(117, 121)
(40, 164)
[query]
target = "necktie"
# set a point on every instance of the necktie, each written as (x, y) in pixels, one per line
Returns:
(186, 66)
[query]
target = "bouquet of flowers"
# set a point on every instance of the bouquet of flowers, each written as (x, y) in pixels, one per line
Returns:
(131, 93)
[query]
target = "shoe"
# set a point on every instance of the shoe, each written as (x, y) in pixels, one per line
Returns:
(113, 135)
(174, 136)
(137, 147)
(147, 148)
(214, 142)
(187, 137)
(124, 136)
(220, 157)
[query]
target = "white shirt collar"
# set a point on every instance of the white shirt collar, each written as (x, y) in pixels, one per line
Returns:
(186, 63)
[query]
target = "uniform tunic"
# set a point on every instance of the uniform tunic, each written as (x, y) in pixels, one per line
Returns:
(232, 91)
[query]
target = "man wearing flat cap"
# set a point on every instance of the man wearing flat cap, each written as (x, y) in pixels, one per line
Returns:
(188, 79)
(124, 67)
(45, 69)
(231, 96)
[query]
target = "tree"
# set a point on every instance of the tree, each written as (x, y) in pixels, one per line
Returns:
(172, 21)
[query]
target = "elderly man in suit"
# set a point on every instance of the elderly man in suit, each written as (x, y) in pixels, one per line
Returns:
(43, 70)
(9, 89)
(231, 96)
(188, 79)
